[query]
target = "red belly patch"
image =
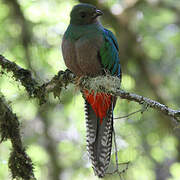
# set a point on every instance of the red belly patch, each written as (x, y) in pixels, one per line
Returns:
(100, 102)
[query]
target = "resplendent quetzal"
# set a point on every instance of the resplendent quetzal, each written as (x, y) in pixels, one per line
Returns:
(91, 50)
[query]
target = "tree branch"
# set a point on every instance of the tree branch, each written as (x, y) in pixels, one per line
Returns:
(33, 87)
(22, 75)
(150, 103)
(20, 163)
(108, 84)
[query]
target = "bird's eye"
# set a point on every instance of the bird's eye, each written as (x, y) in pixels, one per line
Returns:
(83, 14)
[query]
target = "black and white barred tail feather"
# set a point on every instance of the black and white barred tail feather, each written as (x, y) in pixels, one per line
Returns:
(99, 139)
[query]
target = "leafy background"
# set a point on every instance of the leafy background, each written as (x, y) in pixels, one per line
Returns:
(148, 33)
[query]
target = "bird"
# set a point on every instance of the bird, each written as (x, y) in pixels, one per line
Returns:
(91, 50)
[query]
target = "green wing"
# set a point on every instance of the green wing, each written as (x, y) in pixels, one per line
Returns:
(109, 54)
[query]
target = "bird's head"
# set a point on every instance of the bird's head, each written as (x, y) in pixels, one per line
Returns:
(83, 14)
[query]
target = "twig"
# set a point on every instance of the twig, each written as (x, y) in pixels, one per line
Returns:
(120, 172)
(143, 108)
(130, 114)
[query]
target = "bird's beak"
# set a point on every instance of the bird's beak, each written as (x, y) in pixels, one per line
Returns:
(99, 13)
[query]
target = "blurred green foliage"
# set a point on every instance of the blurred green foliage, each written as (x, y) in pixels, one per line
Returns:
(54, 134)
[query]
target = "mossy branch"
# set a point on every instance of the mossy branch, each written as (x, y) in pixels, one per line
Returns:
(32, 86)
(19, 162)
(106, 83)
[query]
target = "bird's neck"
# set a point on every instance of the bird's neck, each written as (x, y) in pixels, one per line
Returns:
(74, 31)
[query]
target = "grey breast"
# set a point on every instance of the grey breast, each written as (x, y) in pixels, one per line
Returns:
(69, 55)
(87, 50)
(81, 56)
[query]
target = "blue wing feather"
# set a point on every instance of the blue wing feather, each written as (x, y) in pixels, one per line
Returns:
(111, 35)
(109, 54)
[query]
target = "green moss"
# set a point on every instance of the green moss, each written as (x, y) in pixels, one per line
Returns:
(21, 165)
